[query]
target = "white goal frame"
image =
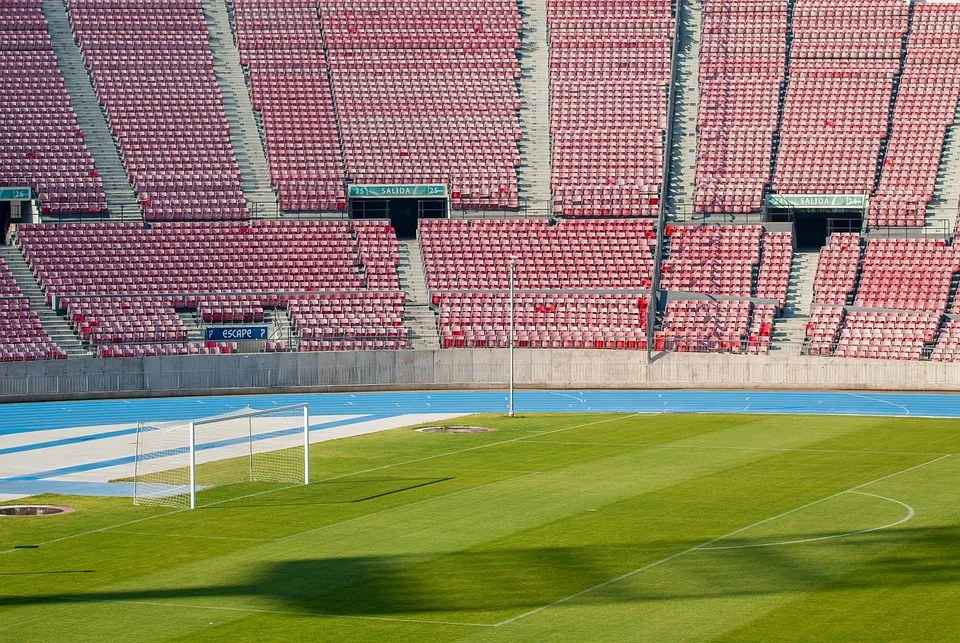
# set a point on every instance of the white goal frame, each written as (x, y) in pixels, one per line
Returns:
(192, 444)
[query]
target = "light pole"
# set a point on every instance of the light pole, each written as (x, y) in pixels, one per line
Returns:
(513, 267)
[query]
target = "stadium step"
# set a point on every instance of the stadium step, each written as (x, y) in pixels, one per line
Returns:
(238, 108)
(418, 317)
(942, 209)
(56, 326)
(789, 331)
(121, 197)
(683, 155)
(534, 172)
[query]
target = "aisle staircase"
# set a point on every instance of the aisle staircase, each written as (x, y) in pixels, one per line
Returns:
(683, 156)
(121, 197)
(789, 331)
(238, 108)
(534, 171)
(418, 316)
(57, 327)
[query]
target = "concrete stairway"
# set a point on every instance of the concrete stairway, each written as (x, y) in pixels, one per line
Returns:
(790, 330)
(238, 108)
(683, 156)
(418, 316)
(534, 172)
(57, 327)
(121, 198)
(942, 210)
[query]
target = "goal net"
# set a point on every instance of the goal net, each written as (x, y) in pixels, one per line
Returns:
(175, 460)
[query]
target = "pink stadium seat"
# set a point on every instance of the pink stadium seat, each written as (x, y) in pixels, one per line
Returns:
(609, 74)
(123, 283)
(925, 108)
(152, 68)
(843, 61)
(742, 66)
(22, 337)
(41, 145)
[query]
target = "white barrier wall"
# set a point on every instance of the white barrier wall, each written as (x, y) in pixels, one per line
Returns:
(481, 368)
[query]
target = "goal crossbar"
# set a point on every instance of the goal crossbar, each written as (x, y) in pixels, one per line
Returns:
(170, 449)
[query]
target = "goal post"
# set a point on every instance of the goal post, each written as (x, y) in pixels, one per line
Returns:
(175, 460)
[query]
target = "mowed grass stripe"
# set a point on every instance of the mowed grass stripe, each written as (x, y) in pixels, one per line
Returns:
(381, 545)
(489, 554)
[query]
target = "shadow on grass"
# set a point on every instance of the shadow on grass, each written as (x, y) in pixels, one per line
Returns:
(338, 492)
(513, 580)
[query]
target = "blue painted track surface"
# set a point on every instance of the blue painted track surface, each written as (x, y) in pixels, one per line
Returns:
(40, 416)
(37, 418)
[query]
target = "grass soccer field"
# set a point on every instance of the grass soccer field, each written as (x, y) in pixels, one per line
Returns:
(554, 527)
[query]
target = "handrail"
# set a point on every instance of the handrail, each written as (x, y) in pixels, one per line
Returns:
(665, 186)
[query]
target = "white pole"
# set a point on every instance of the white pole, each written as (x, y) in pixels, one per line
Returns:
(193, 466)
(513, 267)
(306, 445)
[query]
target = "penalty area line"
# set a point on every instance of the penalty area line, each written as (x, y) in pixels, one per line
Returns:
(708, 543)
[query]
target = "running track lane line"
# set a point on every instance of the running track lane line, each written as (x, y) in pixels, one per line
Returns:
(710, 542)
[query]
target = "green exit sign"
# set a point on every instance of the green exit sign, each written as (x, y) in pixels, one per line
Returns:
(397, 191)
(16, 194)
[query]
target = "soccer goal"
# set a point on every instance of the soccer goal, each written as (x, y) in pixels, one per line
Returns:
(176, 459)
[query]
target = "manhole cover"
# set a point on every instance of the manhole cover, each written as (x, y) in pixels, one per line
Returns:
(456, 429)
(33, 510)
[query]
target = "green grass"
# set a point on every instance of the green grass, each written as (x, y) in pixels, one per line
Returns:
(556, 527)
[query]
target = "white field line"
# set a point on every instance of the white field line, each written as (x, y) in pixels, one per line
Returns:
(731, 448)
(910, 514)
(245, 610)
(877, 399)
(337, 477)
(710, 542)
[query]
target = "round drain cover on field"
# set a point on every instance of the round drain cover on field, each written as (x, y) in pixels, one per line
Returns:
(33, 510)
(456, 429)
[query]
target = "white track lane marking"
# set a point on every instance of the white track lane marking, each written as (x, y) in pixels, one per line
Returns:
(881, 400)
(710, 542)
(910, 514)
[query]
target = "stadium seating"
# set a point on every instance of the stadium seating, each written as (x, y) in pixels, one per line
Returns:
(742, 66)
(152, 67)
(774, 275)
(609, 74)
(907, 274)
(22, 337)
(544, 320)
(948, 345)
(461, 254)
(836, 274)
(281, 45)
(705, 326)
(350, 321)
(714, 260)
(41, 144)
(887, 335)
(926, 106)
(843, 61)
(251, 265)
(822, 329)
(426, 92)
(609, 255)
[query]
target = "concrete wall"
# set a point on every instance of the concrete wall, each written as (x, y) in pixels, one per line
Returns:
(439, 369)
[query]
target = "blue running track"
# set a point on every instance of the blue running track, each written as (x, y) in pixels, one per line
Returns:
(36, 418)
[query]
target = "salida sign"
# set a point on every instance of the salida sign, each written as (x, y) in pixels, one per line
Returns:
(237, 334)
